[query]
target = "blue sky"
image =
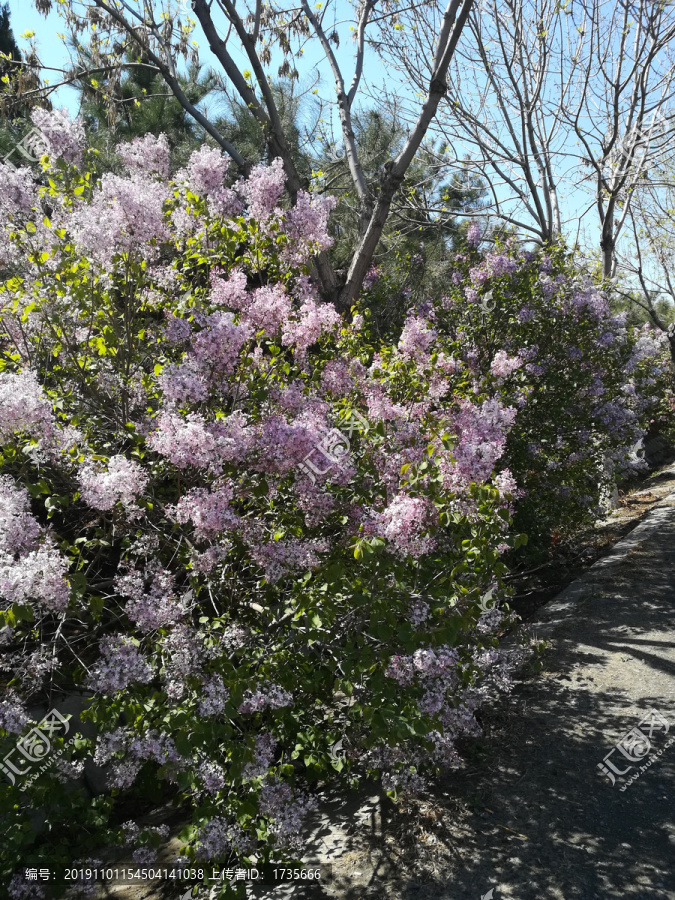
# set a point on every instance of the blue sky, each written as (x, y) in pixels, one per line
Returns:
(53, 52)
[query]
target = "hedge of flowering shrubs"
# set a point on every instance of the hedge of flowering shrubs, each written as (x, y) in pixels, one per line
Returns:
(237, 534)
(538, 336)
(238, 529)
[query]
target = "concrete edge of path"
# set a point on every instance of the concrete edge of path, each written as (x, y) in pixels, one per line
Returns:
(557, 610)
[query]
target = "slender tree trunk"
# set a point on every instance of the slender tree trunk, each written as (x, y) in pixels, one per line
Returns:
(608, 243)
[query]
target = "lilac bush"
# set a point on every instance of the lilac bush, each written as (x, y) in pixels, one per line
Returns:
(537, 336)
(240, 532)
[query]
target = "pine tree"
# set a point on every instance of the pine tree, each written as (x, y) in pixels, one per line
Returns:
(8, 45)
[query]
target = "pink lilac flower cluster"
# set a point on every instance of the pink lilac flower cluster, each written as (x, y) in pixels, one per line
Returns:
(21, 889)
(263, 189)
(312, 320)
(111, 742)
(406, 524)
(506, 484)
(122, 481)
(271, 696)
(148, 155)
(192, 441)
(399, 768)
(182, 654)
(204, 561)
(279, 557)
(125, 215)
(152, 746)
(176, 330)
(288, 811)
(205, 174)
(28, 570)
(159, 748)
(24, 406)
(208, 511)
(13, 716)
(306, 227)
(482, 431)
(418, 613)
(152, 602)
(503, 364)
(220, 837)
(32, 670)
(64, 136)
(214, 696)
(18, 194)
(416, 337)
(474, 233)
(263, 755)
(425, 664)
(213, 777)
(372, 275)
(435, 670)
(85, 887)
(342, 376)
(121, 664)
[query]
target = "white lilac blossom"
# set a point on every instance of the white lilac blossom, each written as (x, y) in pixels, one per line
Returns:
(123, 481)
(148, 154)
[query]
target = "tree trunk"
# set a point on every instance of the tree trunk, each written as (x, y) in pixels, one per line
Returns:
(607, 245)
(368, 242)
